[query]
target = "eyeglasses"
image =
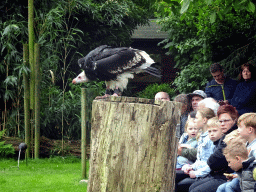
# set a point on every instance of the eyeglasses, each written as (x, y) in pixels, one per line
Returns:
(224, 121)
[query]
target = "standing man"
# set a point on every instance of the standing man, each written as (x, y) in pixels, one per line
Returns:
(221, 87)
(195, 97)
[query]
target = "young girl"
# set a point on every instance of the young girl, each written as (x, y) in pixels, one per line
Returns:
(187, 140)
(205, 147)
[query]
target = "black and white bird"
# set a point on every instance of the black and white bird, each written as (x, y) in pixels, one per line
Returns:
(114, 66)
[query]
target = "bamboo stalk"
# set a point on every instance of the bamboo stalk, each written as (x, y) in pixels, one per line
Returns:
(83, 131)
(26, 100)
(31, 36)
(37, 99)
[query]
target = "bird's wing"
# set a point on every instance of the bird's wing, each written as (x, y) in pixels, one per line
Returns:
(121, 61)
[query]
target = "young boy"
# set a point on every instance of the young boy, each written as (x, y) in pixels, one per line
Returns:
(238, 159)
(247, 130)
(214, 130)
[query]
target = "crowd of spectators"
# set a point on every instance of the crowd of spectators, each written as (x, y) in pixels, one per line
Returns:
(217, 130)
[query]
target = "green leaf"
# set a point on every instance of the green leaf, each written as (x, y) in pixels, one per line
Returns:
(251, 7)
(213, 17)
(185, 6)
(208, 2)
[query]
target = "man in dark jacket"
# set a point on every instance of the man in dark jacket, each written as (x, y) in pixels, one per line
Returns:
(220, 87)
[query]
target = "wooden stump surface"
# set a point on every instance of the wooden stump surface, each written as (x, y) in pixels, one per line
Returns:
(133, 145)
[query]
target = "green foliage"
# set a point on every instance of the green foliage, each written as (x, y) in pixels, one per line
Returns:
(66, 31)
(191, 78)
(5, 149)
(150, 91)
(52, 105)
(205, 32)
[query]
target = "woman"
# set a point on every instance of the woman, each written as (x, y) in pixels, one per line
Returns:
(227, 115)
(245, 93)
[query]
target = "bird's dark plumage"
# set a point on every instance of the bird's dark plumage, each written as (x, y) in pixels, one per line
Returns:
(115, 65)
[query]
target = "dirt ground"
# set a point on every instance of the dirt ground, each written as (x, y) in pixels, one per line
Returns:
(50, 147)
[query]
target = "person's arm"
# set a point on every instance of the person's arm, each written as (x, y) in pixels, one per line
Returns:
(202, 171)
(217, 160)
(189, 153)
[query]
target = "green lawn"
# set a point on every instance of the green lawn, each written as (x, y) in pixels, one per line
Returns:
(53, 174)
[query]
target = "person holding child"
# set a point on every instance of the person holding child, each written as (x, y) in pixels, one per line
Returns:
(188, 174)
(187, 140)
(227, 115)
(239, 160)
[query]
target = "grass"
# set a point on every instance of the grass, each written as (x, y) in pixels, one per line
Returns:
(53, 174)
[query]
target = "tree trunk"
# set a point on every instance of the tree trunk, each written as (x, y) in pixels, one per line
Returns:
(133, 145)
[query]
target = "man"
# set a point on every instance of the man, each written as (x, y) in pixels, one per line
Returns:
(195, 97)
(221, 87)
(162, 96)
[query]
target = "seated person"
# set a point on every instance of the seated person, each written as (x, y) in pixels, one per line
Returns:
(238, 160)
(195, 97)
(189, 153)
(182, 98)
(188, 174)
(247, 131)
(227, 115)
(210, 103)
(187, 140)
(162, 96)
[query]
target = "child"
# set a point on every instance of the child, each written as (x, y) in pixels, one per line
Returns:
(238, 159)
(187, 140)
(247, 130)
(205, 147)
(214, 130)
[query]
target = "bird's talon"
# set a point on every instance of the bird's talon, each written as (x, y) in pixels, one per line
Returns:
(102, 97)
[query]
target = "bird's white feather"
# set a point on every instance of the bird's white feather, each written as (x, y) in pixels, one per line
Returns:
(121, 81)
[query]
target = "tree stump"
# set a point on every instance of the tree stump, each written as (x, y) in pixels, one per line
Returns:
(133, 145)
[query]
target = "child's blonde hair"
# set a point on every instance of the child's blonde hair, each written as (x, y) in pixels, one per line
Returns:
(187, 122)
(249, 120)
(232, 135)
(236, 147)
(206, 113)
(213, 122)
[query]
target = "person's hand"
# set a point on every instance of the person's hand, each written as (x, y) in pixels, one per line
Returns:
(186, 168)
(230, 176)
(192, 174)
(179, 150)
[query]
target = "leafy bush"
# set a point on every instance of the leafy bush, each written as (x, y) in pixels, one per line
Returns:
(150, 91)
(5, 149)
(192, 77)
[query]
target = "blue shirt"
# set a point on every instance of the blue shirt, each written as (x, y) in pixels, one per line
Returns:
(204, 150)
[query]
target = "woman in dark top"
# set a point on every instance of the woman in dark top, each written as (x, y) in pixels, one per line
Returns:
(245, 93)
(227, 115)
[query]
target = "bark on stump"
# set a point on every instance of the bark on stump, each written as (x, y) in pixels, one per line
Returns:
(133, 145)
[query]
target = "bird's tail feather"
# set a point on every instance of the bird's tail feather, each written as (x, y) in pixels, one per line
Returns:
(153, 71)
